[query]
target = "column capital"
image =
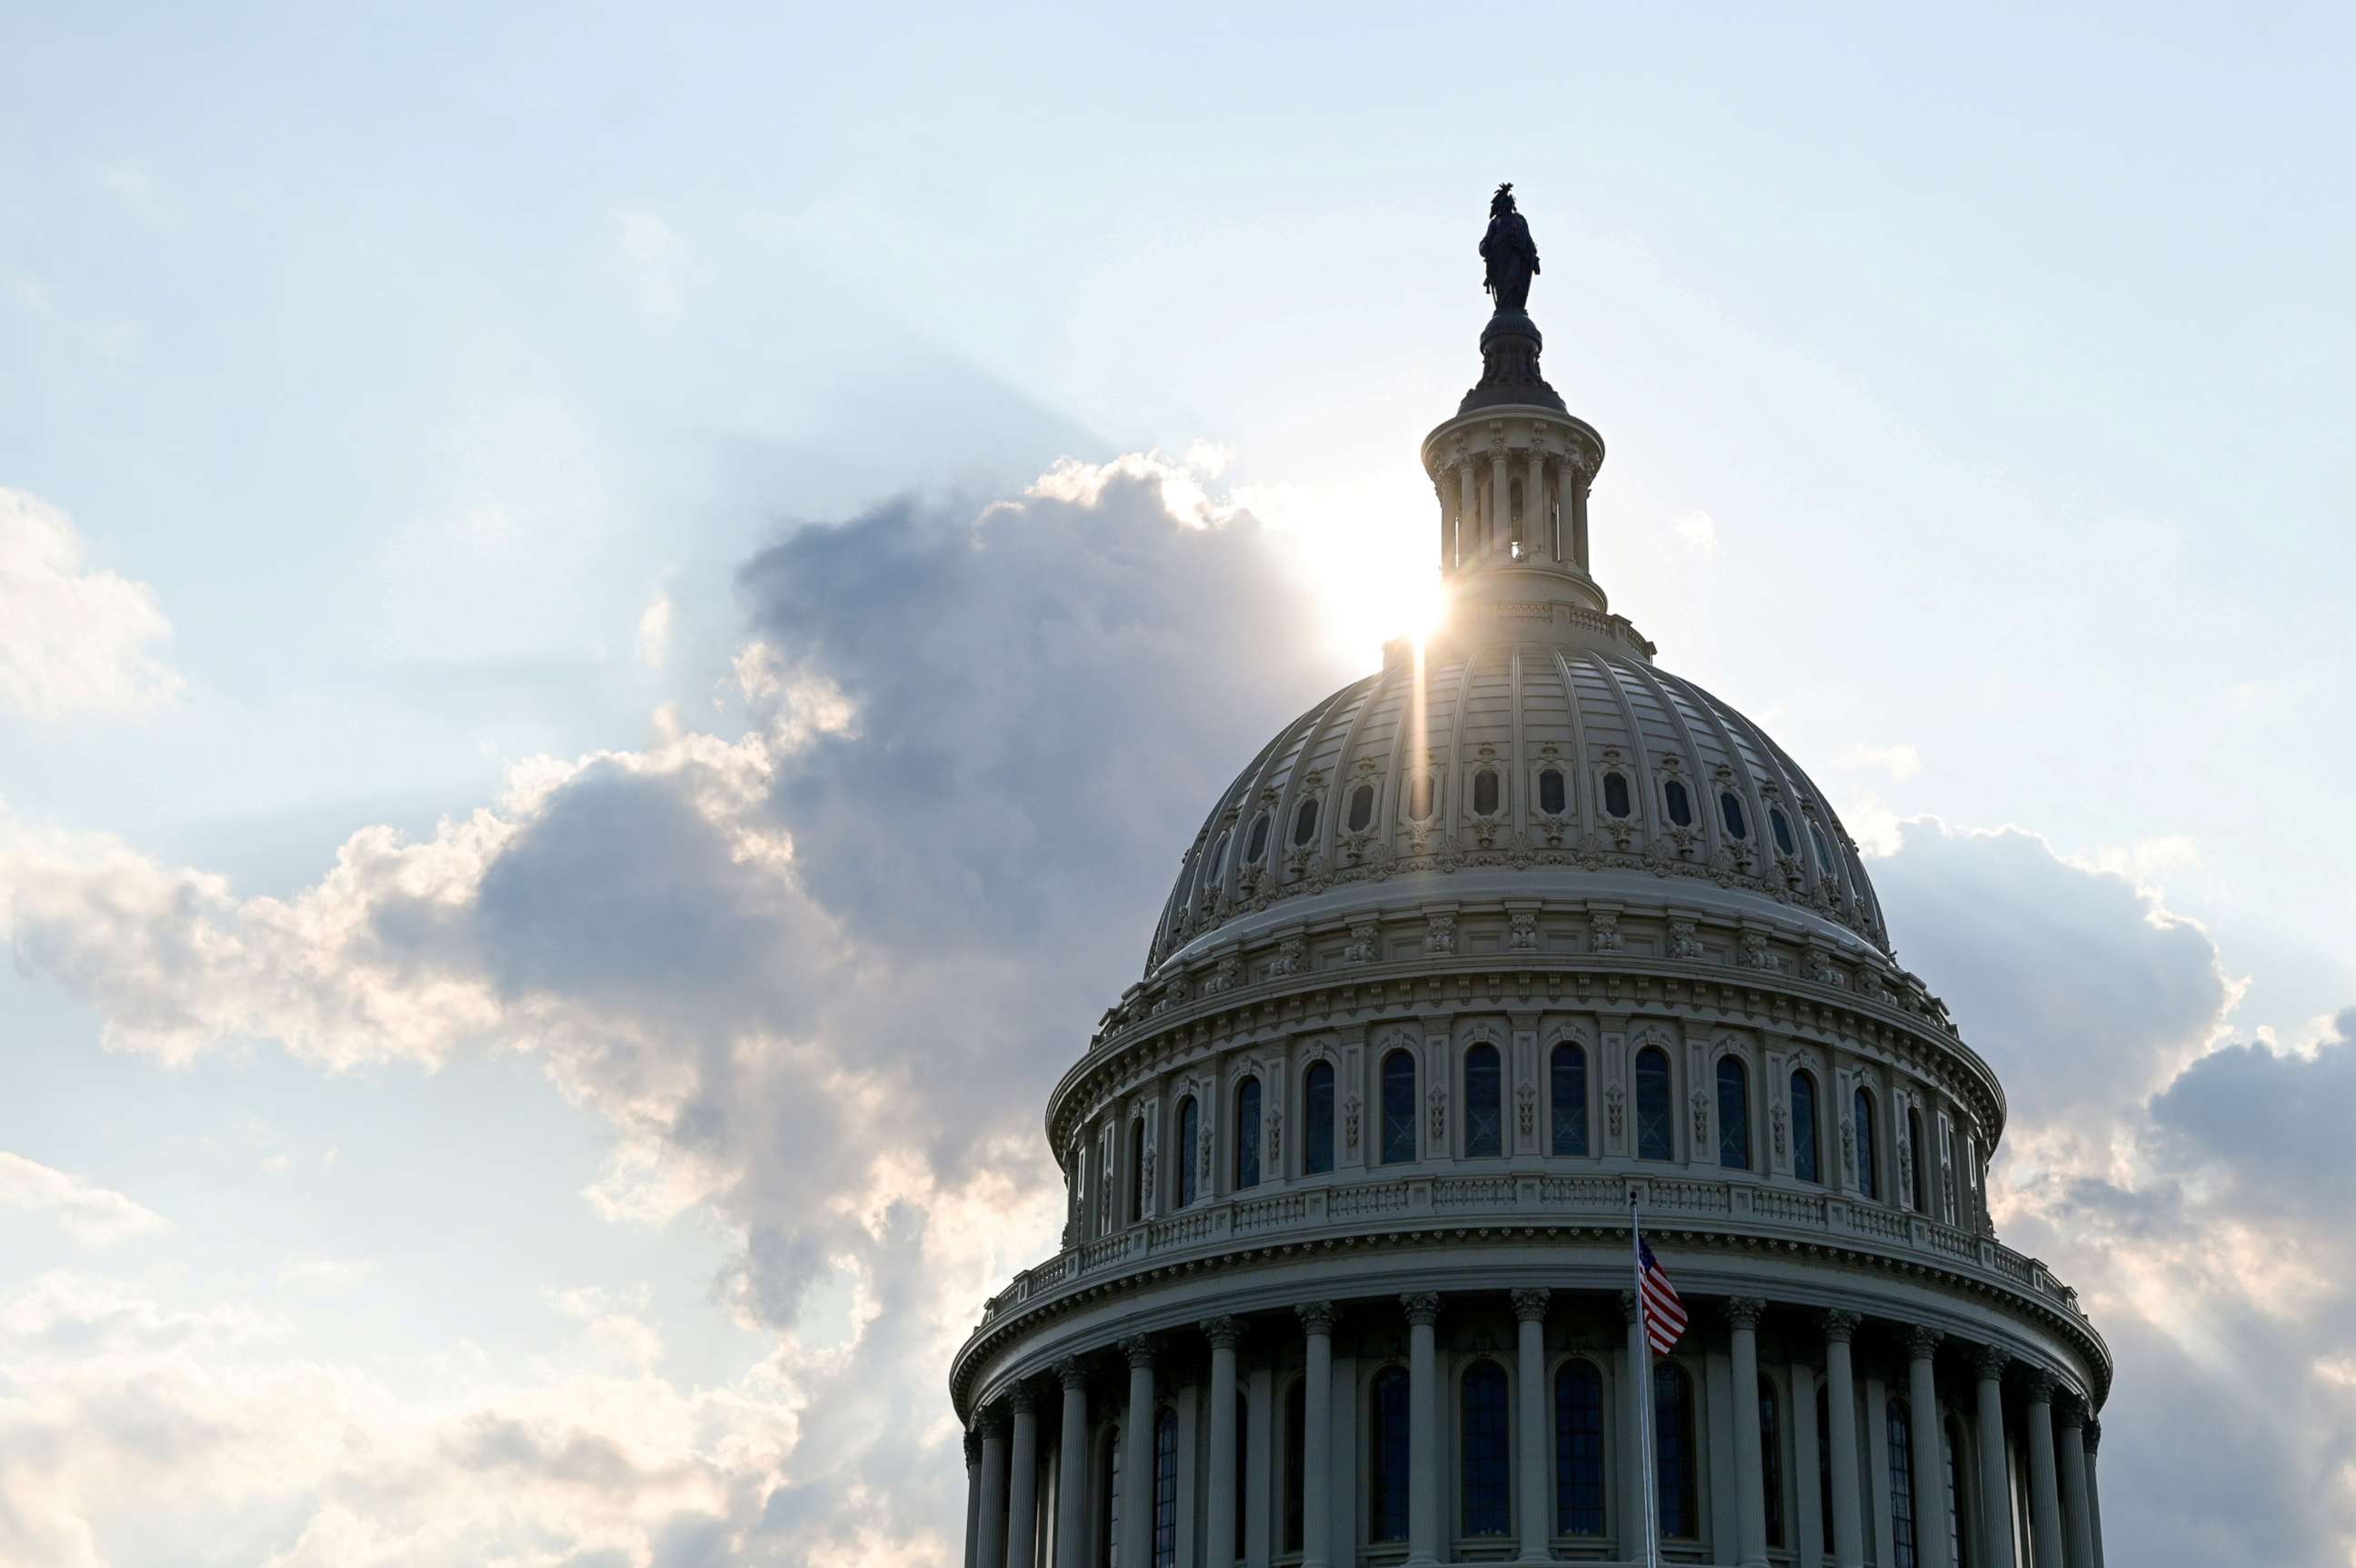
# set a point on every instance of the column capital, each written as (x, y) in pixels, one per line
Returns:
(1530, 1304)
(1422, 1306)
(1024, 1397)
(1990, 1361)
(1922, 1341)
(2092, 1435)
(2041, 1384)
(1840, 1327)
(1745, 1311)
(1627, 1306)
(972, 1446)
(2069, 1410)
(1317, 1317)
(1140, 1350)
(1224, 1333)
(1072, 1372)
(992, 1421)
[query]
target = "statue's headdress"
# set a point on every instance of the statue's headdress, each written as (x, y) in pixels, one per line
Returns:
(1502, 200)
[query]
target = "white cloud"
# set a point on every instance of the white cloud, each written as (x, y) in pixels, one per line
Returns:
(93, 1216)
(654, 258)
(654, 631)
(1697, 534)
(1899, 760)
(328, 1276)
(72, 641)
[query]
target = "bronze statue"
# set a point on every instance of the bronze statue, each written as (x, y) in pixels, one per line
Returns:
(1511, 256)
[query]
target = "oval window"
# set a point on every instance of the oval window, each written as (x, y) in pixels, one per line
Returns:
(1362, 808)
(1257, 847)
(1730, 810)
(1824, 849)
(1418, 797)
(1680, 803)
(1219, 857)
(1304, 821)
(1615, 794)
(1552, 797)
(1484, 793)
(1783, 832)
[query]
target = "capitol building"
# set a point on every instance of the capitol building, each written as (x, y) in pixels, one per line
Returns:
(1472, 954)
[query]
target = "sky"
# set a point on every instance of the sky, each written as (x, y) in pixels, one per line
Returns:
(611, 625)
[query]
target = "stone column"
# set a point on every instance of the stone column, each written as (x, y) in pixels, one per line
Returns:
(2094, 1491)
(1072, 1469)
(1636, 1384)
(1423, 1418)
(972, 1497)
(1566, 480)
(1929, 1441)
(1743, 1314)
(1447, 525)
(2044, 1502)
(1136, 1458)
(2078, 1517)
(1501, 495)
(1469, 538)
(993, 1490)
(1995, 1475)
(1317, 1435)
(1534, 508)
(1220, 1522)
(1530, 1427)
(1840, 1421)
(1023, 1481)
(1578, 523)
(1808, 1487)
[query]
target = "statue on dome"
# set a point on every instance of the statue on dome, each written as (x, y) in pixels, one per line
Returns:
(1512, 257)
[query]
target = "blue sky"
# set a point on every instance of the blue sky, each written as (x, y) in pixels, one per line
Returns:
(408, 424)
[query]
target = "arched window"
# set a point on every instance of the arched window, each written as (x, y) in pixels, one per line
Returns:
(1578, 1449)
(1247, 1133)
(1733, 1114)
(1804, 1152)
(1190, 1137)
(1656, 1121)
(1218, 861)
(1485, 792)
(1782, 830)
(1317, 1119)
(1484, 1477)
(1165, 1489)
(1362, 808)
(1552, 796)
(1680, 804)
(1258, 845)
(1673, 1442)
(1296, 1439)
(1771, 1461)
(1304, 821)
(1484, 1103)
(1615, 795)
(1108, 1501)
(1901, 1486)
(1567, 1096)
(1729, 811)
(1921, 1152)
(1420, 803)
(1386, 1452)
(1398, 1108)
(1866, 1184)
(1824, 860)
(1135, 1169)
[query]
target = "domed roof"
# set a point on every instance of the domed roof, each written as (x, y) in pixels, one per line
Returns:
(1532, 770)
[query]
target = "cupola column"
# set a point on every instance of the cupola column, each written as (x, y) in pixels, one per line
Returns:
(972, 1498)
(1468, 512)
(1530, 1427)
(1219, 1520)
(1501, 495)
(1072, 1468)
(1743, 1314)
(1317, 1435)
(2094, 1437)
(992, 1553)
(1929, 1438)
(1996, 1474)
(1840, 1431)
(2078, 1518)
(1136, 1459)
(1023, 1480)
(1535, 543)
(2044, 1502)
(1576, 514)
(1422, 1428)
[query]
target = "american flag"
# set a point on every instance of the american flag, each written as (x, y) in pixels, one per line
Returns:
(1664, 1315)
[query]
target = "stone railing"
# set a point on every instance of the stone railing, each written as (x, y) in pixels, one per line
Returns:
(1451, 1202)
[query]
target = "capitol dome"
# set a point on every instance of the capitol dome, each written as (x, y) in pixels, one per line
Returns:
(1480, 957)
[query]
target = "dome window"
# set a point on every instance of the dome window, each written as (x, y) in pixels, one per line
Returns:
(1783, 830)
(1256, 846)
(1420, 798)
(1824, 851)
(1304, 822)
(1615, 795)
(1552, 796)
(1362, 808)
(1680, 803)
(1730, 810)
(1484, 793)
(1219, 858)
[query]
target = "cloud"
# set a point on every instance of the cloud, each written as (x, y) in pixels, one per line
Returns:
(328, 1275)
(93, 1216)
(1900, 761)
(72, 641)
(654, 261)
(1697, 534)
(654, 631)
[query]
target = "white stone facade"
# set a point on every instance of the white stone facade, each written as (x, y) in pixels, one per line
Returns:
(1345, 1269)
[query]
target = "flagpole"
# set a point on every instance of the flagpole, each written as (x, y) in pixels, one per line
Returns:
(1643, 1372)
